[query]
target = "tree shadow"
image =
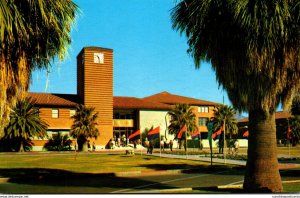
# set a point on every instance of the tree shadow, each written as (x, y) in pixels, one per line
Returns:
(62, 178)
(290, 173)
(215, 169)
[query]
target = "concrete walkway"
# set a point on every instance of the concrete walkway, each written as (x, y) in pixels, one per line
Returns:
(282, 165)
(202, 158)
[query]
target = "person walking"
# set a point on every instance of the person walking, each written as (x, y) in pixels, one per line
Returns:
(89, 146)
(236, 146)
(162, 145)
(94, 146)
(150, 147)
(171, 145)
(147, 145)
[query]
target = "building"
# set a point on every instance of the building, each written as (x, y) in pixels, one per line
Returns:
(281, 120)
(118, 116)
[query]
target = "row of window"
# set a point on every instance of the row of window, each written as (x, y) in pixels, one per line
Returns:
(55, 113)
(203, 109)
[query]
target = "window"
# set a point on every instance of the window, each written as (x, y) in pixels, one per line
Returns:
(203, 109)
(36, 111)
(54, 113)
(202, 121)
(72, 112)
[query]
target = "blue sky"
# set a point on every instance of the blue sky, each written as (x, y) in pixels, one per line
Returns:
(149, 56)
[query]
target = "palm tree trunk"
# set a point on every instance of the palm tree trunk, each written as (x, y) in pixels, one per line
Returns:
(262, 173)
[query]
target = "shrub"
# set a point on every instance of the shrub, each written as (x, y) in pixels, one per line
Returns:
(58, 143)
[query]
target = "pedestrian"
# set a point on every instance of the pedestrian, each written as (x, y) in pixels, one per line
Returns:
(89, 146)
(201, 145)
(94, 146)
(150, 147)
(221, 145)
(134, 144)
(162, 145)
(236, 146)
(171, 145)
(75, 146)
(147, 145)
(119, 142)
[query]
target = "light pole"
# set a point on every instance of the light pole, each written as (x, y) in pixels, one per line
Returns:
(224, 141)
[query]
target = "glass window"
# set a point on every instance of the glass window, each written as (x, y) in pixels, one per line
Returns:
(202, 121)
(72, 112)
(54, 113)
(203, 109)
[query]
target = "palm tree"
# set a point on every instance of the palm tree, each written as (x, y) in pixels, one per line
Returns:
(226, 115)
(25, 123)
(32, 34)
(253, 46)
(84, 126)
(182, 115)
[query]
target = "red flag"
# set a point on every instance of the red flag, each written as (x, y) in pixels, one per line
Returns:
(246, 134)
(215, 134)
(153, 134)
(134, 134)
(195, 134)
(288, 135)
(183, 129)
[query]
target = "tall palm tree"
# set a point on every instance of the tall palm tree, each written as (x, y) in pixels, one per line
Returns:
(32, 34)
(84, 126)
(253, 46)
(25, 123)
(182, 115)
(226, 115)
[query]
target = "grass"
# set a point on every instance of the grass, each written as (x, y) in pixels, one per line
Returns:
(95, 163)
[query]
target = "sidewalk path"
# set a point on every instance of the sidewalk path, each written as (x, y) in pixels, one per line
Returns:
(284, 165)
(201, 158)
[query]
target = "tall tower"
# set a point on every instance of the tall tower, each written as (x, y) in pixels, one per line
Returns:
(95, 87)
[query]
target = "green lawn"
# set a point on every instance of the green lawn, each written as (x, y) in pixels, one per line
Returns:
(94, 163)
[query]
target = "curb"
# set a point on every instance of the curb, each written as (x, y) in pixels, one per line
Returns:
(175, 190)
(240, 186)
(147, 173)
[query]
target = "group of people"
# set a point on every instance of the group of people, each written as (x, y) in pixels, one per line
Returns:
(163, 144)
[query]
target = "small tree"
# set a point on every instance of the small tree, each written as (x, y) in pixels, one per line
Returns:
(226, 115)
(25, 123)
(182, 115)
(84, 126)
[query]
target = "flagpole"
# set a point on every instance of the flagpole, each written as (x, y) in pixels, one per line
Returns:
(141, 141)
(224, 143)
(159, 145)
(186, 143)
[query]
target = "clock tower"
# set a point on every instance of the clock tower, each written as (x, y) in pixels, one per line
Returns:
(95, 87)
